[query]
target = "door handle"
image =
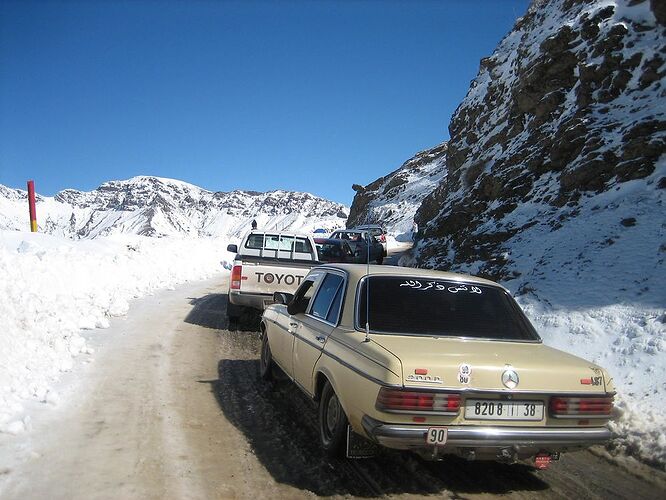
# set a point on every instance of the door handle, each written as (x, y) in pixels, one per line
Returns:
(321, 340)
(293, 325)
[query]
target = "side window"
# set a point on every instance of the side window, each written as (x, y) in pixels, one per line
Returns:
(326, 296)
(303, 246)
(255, 241)
(304, 293)
(334, 311)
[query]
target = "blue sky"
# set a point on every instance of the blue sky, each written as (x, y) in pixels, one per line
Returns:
(308, 96)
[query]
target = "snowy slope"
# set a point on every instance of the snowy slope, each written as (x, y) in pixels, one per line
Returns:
(392, 200)
(153, 206)
(53, 287)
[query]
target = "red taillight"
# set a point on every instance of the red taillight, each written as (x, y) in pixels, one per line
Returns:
(236, 273)
(382, 238)
(581, 407)
(396, 400)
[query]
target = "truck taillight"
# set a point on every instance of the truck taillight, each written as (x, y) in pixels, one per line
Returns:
(382, 238)
(399, 401)
(236, 273)
(587, 407)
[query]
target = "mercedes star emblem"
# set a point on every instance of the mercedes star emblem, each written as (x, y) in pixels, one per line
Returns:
(510, 378)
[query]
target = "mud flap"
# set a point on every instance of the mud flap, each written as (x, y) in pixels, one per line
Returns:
(358, 446)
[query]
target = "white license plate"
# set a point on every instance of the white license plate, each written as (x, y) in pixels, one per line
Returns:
(492, 409)
(436, 435)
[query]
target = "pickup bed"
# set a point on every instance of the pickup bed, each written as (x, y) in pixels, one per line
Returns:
(268, 262)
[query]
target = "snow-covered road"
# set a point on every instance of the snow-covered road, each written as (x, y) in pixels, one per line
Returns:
(172, 408)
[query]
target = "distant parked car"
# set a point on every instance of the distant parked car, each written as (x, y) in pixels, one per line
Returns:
(442, 364)
(377, 231)
(334, 250)
(359, 245)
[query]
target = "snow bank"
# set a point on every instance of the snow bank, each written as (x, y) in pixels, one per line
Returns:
(51, 288)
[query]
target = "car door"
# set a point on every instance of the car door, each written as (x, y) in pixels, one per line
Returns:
(281, 338)
(315, 326)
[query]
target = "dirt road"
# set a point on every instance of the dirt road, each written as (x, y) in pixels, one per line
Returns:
(172, 408)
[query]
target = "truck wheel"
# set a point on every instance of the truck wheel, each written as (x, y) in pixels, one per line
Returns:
(332, 423)
(380, 260)
(266, 359)
(233, 312)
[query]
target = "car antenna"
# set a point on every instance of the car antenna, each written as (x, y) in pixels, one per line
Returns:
(367, 291)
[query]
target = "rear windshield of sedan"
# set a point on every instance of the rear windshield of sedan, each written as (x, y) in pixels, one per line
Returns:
(416, 306)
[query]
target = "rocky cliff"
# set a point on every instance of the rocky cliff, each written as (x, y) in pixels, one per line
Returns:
(570, 106)
(393, 199)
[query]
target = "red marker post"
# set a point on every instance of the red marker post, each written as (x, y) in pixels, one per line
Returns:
(31, 203)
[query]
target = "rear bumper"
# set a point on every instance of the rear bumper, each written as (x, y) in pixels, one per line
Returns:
(486, 440)
(256, 301)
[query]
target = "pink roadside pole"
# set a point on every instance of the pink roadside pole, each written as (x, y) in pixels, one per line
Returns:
(31, 203)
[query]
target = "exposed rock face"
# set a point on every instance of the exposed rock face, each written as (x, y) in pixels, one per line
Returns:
(153, 206)
(570, 105)
(393, 200)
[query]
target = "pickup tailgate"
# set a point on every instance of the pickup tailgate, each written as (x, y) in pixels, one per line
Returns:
(265, 278)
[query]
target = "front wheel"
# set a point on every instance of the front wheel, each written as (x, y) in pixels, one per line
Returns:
(266, 359)
(332, 423)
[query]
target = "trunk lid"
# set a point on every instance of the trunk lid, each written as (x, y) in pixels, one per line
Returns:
(459, 364)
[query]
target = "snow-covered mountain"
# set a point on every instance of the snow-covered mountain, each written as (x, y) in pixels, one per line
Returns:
(154, 206)
(556, 186)
(564, 118)
(393, 199)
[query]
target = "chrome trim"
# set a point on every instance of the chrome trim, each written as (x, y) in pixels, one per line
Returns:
(372, 360)
(405, 436)
(474, 390)
(316, 345)
(362, 374)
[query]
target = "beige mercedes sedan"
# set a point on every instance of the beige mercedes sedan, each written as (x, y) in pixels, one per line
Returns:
(442, 364)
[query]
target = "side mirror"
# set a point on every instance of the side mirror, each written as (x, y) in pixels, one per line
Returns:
(232, 248)
(282, 297)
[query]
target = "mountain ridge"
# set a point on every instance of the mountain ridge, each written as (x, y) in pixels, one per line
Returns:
(158, 207)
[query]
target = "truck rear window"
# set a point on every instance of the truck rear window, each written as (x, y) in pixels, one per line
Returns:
(417, 306)
(278, 242)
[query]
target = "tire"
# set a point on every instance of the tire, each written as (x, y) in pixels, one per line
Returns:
(380, 259)
(266, 359)
(234, 312)
(332, 423)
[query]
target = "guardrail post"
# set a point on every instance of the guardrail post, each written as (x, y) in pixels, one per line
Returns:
(31, 204)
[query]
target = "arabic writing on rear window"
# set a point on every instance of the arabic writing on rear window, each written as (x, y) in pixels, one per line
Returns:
(422, 306)
(441, 286)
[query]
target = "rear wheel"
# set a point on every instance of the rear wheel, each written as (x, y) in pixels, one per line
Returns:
(234, 312)
(332, 423)
(266, 359)
(380, 259)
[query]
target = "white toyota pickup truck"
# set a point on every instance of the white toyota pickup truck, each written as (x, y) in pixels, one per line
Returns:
(267, 262)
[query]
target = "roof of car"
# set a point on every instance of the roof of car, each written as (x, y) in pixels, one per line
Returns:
(369, 226)
(357, 271)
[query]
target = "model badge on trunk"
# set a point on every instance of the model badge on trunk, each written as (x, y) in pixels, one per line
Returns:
(510, 378)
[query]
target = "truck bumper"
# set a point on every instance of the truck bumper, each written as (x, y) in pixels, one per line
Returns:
(485, 441)
(255, 301)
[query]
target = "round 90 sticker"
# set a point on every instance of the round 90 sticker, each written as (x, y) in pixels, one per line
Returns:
(464, 373)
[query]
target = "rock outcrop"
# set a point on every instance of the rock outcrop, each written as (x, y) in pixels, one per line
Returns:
(393, 200)
(569, 106)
